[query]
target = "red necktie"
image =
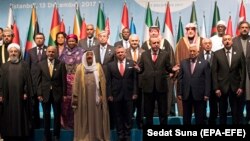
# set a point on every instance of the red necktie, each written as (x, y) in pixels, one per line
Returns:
(154, 57)
(121, 68)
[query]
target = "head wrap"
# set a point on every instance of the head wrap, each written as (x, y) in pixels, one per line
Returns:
(72, 36)
(154, 27)
(14, 45)
(191, 25)
(221, 23)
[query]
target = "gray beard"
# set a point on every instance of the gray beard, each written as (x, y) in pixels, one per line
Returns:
(14, 60)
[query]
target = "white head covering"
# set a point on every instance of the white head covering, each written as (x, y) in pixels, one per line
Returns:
(92, 68)
(221, 23)
(191, 25)
(14, 45)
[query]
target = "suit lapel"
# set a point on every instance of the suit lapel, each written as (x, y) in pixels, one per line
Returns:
(139, 55)
(248, 46)
(234, 57)
(223, 54)
(197, 65)
(150, 57)
(55, 69)
(98, 54)
(106, 54)
(159, 57)
(129, 55)
(127, 65)
(117, 68)
(46, 67)
(188, 65)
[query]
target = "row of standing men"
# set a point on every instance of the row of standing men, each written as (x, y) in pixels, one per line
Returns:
(154, 88)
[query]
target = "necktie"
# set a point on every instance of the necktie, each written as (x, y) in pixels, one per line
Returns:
(135, 55)
(39, 55)
(50, 69)
(121, 68)
(126, 44)
(207, 56)
(192, 66)
(102, 54)
(154, 57)
(89, 43)
(228, 57)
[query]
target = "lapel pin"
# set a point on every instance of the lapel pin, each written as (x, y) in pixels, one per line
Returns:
(199, 62)
(234, 52)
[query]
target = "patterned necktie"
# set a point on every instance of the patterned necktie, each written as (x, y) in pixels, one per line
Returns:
(39, 55)
(121, 68)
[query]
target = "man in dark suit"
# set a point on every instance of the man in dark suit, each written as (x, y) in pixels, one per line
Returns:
(51, 89)
(104, 54)
(194, 86)
(207, 54)
(125, 39)
(155, 65)
(134, 53)
(121, 89)
(90, 41)
(242, 43)
(34, 56)
(154, 31)
(229, 74)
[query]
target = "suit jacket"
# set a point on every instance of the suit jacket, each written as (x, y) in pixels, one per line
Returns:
(57, 81)
(84, 44)
(165, 45)
(109, 56)
(198, 83)
(238, 45)
(225, 77)
(129, 56)
(201, 56)
(32, 60)
(120, 86)
(154, 74)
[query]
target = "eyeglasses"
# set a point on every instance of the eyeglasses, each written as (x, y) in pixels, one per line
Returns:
(190, 28)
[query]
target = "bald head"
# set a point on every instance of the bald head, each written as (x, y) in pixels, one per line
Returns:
(134, 41)
(51, 52)
(207, 44)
